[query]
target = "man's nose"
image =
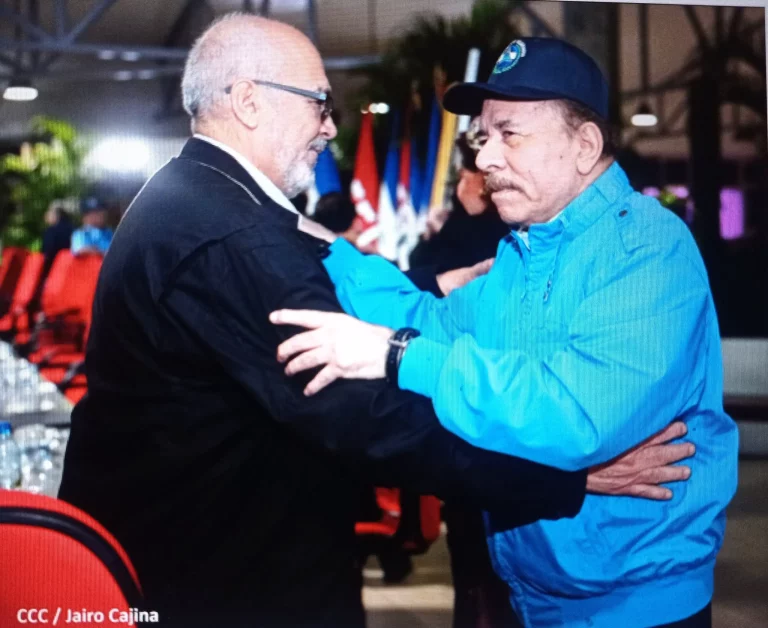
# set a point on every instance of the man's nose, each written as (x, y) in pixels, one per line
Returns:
(328, 129)
(490, 157)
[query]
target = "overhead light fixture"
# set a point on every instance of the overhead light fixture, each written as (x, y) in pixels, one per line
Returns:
(20, 90)
(130, 55)
(644, 117)
(378, 107)
(123, 75)
(106, 55)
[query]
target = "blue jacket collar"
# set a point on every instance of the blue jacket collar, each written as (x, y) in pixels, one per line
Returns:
(593, 202)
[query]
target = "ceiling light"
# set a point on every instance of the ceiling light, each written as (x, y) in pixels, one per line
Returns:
(644, 117)
(378, 107)
(130, 56)
(106, 55)
(123, 75)
(20, 90)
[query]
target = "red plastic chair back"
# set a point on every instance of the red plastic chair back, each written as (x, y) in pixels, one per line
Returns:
(28, 280)
(70, 289)
(415, 525)
(22, 295)
(53, 555)
(56, 283)
(79, 287)
(11, 265)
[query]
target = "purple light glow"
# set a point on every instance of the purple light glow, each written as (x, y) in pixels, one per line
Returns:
(731, 213)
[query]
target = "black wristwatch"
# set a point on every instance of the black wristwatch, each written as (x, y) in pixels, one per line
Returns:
(398, 343)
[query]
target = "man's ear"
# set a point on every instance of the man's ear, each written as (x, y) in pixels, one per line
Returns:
(590, 147)
(245, 106)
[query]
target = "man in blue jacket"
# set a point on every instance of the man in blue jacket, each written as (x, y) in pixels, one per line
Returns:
(594, 328)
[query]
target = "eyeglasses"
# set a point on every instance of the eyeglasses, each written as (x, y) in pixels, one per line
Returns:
(324, 98)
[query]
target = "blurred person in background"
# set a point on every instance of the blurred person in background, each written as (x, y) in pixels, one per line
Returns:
(57, 236)
(95, 235)
(472, 229)
(233, 493)
(336, 212)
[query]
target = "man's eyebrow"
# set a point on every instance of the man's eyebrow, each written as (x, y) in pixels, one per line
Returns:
(503, 125)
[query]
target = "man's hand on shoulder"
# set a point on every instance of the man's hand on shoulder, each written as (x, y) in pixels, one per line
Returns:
(453, 279)
(640, 471)
(346, 348)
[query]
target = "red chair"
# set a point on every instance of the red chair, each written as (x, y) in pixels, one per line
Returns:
(16, 319)
(58, 348)
(66, 304)
(11, 266)
(53, 555)
(408, 525)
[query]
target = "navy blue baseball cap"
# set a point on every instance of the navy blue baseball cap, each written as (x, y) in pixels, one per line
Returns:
(535, 68)
(91, 204)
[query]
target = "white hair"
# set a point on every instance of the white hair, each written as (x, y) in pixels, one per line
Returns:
(230, 48)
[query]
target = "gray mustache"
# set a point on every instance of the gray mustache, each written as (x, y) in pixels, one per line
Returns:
(319, 145)
(497, 185)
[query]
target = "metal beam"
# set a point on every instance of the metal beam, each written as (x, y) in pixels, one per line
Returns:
(34, 17)
(351, 63)
(180, 25)
(101, 7)
(719, 25)
(266, 8)
(677, 113)
(312, 17)
(126, 73)
(93, 15)
(644, 56)
(10, 62)
(668, 84)
(372, 28)
(733, 27)
(693, 18)
(22, 22)
(62, 17)
(538, 22)
(145, 52)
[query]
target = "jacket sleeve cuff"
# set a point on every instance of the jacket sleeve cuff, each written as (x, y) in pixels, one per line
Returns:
(573, 494)
(421, 365)
(425, 279)
(343, 258)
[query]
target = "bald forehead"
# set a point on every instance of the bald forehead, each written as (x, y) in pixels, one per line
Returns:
(274, 48)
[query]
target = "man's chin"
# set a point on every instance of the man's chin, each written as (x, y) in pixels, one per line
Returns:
(511, 209)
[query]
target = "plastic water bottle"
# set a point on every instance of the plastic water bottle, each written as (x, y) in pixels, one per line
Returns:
(10, 459)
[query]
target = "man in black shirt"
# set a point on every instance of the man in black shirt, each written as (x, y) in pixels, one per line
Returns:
(232, 492)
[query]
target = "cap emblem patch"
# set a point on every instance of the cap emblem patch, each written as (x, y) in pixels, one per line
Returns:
(510, 57)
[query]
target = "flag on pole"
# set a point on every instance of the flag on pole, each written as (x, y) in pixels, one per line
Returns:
(430, 166)
(444, 155)
(365, 184)
(327, 180)
(406, 215)
(417, 176)
(387, 215)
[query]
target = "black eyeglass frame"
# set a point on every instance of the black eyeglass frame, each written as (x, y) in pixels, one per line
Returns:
(324, 98)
